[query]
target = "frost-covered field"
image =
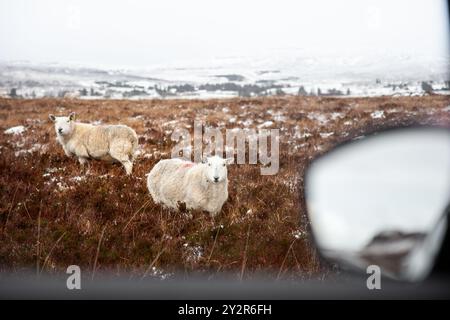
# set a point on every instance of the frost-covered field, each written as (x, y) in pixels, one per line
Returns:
(53, 215)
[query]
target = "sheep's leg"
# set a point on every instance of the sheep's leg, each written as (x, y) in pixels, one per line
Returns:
(213, 213)
(67, 151)
(83, 161)
(119, 150)
(128, 165)
(123, 159)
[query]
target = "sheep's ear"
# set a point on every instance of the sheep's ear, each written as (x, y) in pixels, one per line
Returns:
(72, 116)
(52, 117)
(229, 160)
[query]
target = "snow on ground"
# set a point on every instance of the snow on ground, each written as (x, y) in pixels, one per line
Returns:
(379, 114)
(15, 130)
(336, 115)
(319, 117)
(266, 124)
(297, 234)
(326, 134)
(193, 253)
(159, 273)
(274, 72)
(301, 135)
(37, 147)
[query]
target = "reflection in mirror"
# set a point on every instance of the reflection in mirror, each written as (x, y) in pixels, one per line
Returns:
(381, 200)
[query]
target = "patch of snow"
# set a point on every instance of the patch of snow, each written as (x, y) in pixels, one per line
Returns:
(155, 272)
(37, 147)
(302, 135)
(326, 134)
(78, 179)
(171, 123)
(52, 170)
(247, 123)
(62, 186)
(193, 253)
(379, 114)
(15, 130)
(319, 117)
(279, 117)
(266, 124)
(297, 234)
(336, 115)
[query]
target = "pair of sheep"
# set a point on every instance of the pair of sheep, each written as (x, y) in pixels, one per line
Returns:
(171, 182)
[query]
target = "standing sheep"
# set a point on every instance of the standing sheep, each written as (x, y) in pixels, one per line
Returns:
(201, 186)
(103, 142)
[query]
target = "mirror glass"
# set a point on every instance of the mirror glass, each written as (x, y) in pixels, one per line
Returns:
(381, 200)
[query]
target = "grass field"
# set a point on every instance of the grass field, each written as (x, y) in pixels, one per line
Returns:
(52, 214)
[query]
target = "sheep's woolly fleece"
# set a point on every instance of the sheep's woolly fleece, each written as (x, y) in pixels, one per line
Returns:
(201, 186)
(102, 142)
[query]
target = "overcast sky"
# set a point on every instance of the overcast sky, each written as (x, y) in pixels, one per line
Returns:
(143, 33)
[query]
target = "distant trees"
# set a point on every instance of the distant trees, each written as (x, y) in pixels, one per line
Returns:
(61, 93)
(93, 93)
(428, 88)
(447, 84)
(134, 93)
(329, 92)
(163, 92)
(13, 93)
(302, 91)
(280, 92)
(182, 88)
(334, 92)
(246, 90)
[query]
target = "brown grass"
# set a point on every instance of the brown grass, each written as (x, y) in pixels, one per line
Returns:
(145, 239)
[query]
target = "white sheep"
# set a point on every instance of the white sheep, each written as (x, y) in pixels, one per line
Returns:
(201, 186)
(103, 142)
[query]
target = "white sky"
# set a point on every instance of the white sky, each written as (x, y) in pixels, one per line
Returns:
(142, 33)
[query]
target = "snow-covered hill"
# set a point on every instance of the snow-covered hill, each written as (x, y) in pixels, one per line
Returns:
(278, 72)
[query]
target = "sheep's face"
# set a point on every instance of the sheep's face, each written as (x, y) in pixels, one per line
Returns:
(216, 169)
(63, 125)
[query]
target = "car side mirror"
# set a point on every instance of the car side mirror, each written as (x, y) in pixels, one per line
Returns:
(382, 200)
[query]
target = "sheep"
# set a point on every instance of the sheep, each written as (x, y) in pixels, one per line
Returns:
(113, 143)
(201, 186)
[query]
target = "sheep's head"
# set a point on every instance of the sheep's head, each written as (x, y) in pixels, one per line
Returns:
(63, 125)
(216, 168)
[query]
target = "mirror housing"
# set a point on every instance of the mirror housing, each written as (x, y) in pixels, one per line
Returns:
(381, 200)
